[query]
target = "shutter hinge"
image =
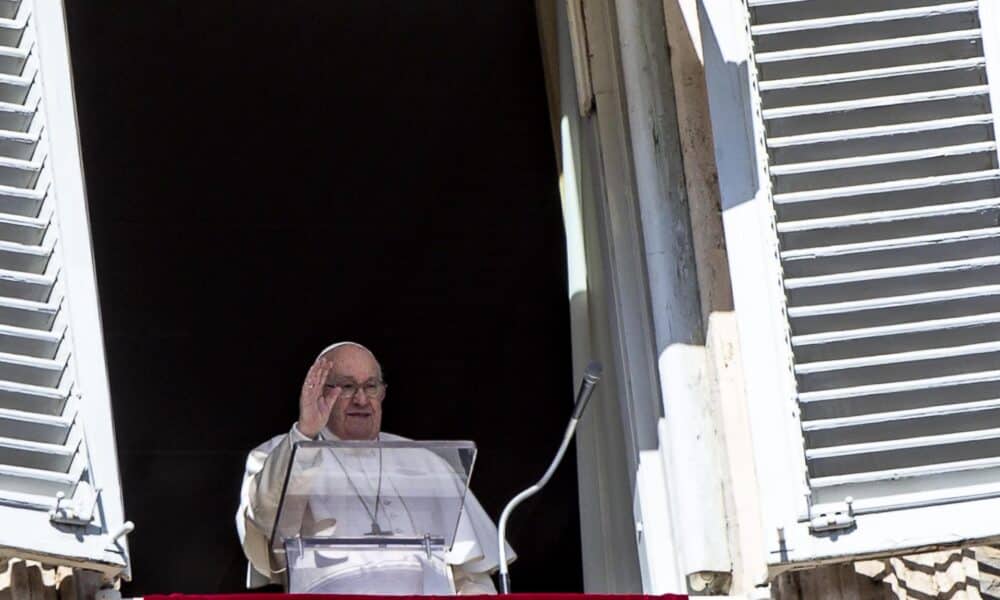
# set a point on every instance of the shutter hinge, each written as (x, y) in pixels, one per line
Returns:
(78, 511)
(836, 517)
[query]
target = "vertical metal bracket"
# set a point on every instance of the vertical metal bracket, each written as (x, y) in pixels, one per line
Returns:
(78, 511)
(837, 517)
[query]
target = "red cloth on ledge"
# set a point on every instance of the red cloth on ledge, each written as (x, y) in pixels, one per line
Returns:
(344, 597)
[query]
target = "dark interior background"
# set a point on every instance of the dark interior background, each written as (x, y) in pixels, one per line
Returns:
(268, 177)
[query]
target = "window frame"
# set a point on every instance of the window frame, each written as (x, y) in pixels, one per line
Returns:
(752, 245)
(29, 533)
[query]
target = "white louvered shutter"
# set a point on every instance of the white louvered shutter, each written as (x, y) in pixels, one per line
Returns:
(56, 437)
(875, 131)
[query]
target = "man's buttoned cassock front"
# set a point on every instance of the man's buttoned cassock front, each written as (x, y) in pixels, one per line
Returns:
(464, 569)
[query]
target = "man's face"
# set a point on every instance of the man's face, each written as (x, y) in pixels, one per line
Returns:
(357, 416)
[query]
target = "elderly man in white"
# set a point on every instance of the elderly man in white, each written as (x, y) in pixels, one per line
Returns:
(342, 399)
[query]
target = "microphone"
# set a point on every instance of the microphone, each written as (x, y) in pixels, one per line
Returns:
(590, 378)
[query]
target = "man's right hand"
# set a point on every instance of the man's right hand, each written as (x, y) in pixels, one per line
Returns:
(316, 401)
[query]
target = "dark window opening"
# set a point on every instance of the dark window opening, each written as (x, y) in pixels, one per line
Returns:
(266, 178)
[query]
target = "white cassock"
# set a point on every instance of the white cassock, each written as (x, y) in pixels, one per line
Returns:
(464, 569)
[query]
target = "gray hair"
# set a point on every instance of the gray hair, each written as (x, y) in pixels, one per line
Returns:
(336, 345)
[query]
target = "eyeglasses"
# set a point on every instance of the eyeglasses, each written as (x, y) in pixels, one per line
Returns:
(350, 388)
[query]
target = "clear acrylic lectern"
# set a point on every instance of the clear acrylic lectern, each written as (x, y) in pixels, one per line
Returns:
(371, 517)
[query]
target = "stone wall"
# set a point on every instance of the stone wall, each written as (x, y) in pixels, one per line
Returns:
(969, 574)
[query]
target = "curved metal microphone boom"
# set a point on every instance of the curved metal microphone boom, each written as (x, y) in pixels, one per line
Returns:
(590, 378)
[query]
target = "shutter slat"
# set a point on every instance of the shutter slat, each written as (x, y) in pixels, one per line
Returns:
(35, 194)
(889, 252)
(930, 383)
(26, 286)
(28, 314)
(33, 501)
(842, 106)
(974, 207)
(895, 310)
(16, 144)
(922, 471)
(918, 422)
(838, 425)
(19, 173)
(901, 357)
(890, 302)
(864, 18)
(51, 429)
(40, 343)
(12, 31)
(900, 338)
(884, 187)
(24, 257)
(840, 279)
(865, 335)
(9, 8)
(33, 398)
(861, 133)
(38, 486)
(15, 88)
(871, 449)
(867, 46)
(888, 369)
(17, 117)
(867, 74)
(772, 2)
(37, 455)
(882, 159)
(945, 391)
(31, 370)
(12, 60)
(21, 229)
(886, 245)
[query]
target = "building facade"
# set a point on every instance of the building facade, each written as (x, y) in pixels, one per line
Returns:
(783, 243)
(787, 252)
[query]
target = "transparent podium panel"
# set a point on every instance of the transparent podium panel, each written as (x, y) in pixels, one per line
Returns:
(385, 569)
(371, 517)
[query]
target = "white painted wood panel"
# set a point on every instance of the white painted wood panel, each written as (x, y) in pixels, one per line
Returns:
(874, 128)
(56, 438)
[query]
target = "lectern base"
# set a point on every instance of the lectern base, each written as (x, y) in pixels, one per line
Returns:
(402, 572)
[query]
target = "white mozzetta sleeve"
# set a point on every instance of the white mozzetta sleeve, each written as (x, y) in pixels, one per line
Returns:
(475, 548)
(472, 584)
(259, 497)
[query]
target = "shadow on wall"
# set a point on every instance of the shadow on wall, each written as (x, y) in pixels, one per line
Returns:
(736, 151)
(698, 146)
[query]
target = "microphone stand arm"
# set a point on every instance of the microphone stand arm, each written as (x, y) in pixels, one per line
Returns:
(527, 493)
